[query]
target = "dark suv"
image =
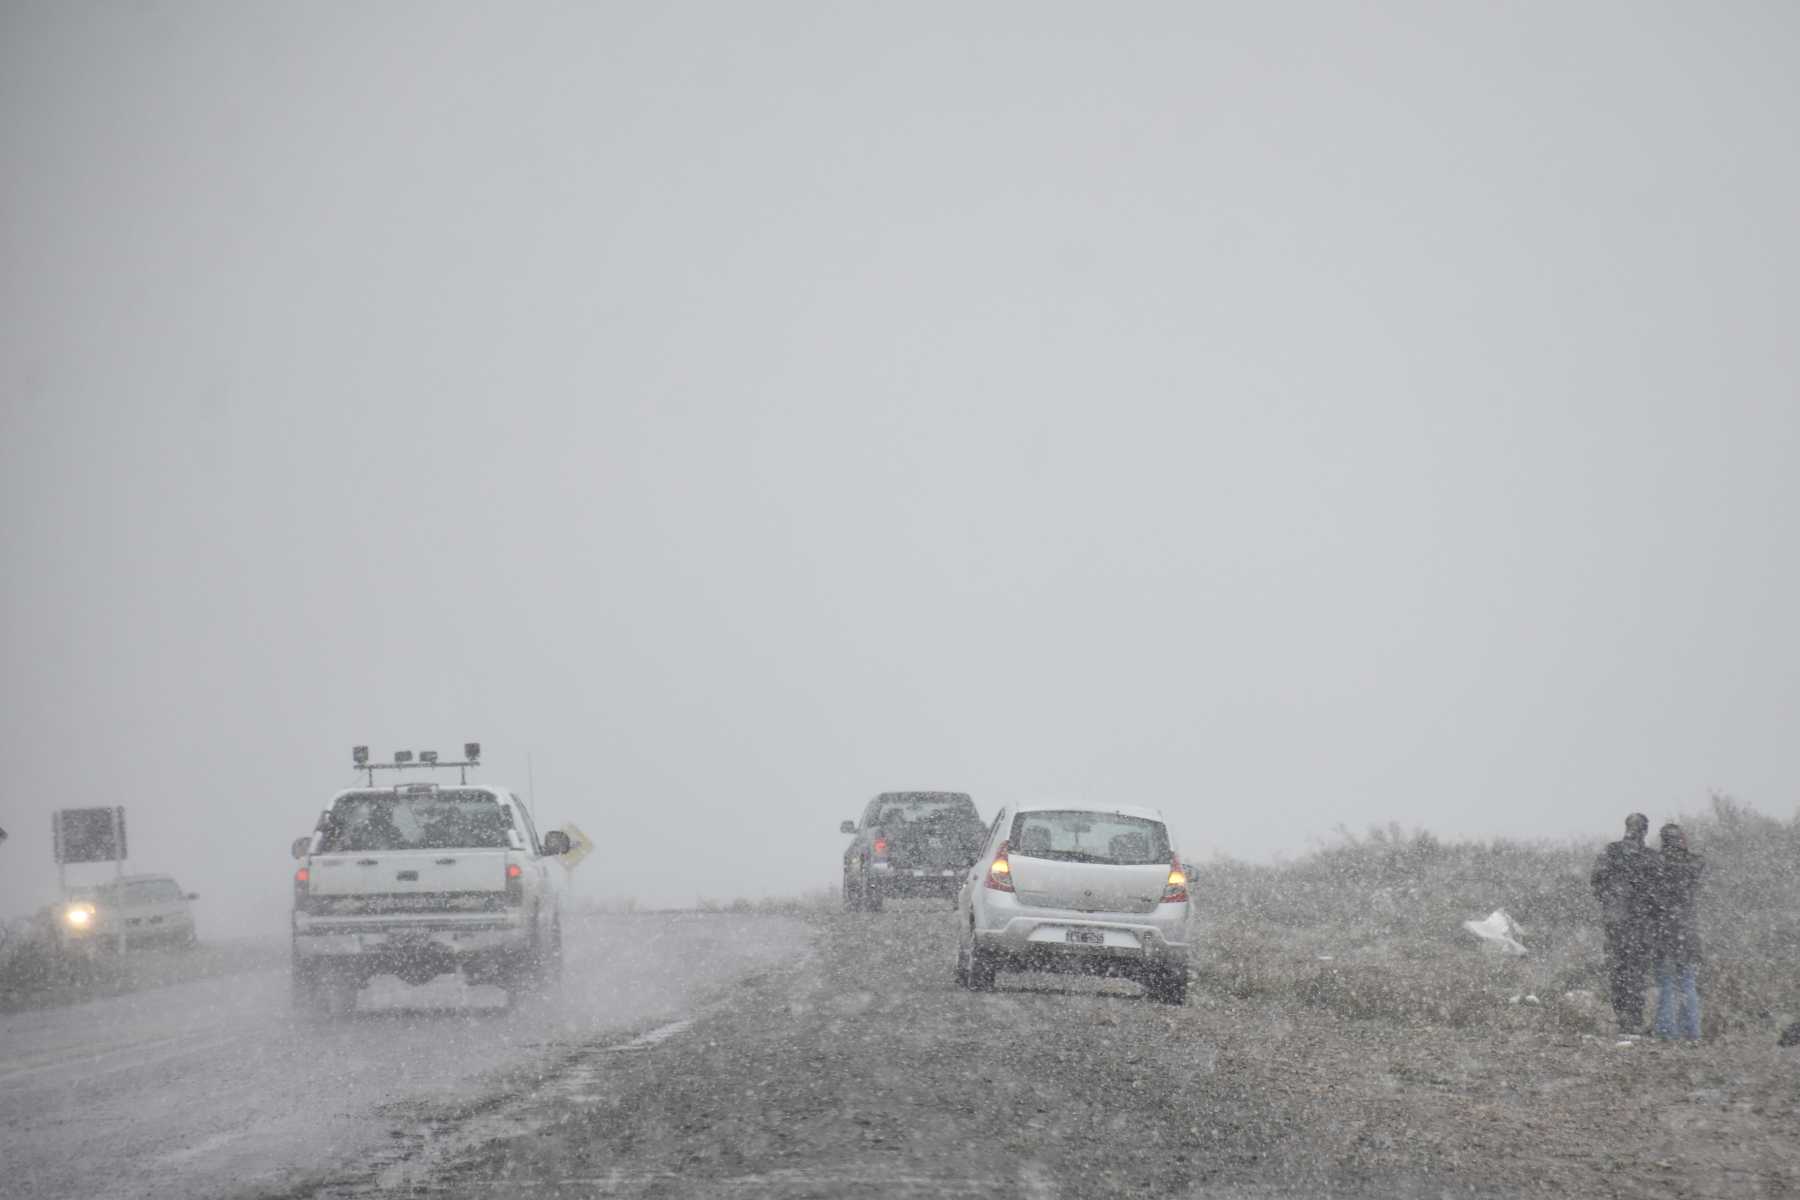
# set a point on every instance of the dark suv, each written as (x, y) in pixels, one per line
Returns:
(910, 844)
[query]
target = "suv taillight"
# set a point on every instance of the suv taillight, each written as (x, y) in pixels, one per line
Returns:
(302, 889)
(1176, 890)
(515, 884)
(999, 874)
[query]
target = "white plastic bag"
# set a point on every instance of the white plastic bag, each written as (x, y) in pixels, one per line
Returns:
(1499, 933)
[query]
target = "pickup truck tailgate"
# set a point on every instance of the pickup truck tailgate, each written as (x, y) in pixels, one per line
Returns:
(420, 874)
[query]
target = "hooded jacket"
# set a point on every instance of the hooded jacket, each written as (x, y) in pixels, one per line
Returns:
(1674, 906)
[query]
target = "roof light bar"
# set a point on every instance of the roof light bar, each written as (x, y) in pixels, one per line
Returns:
(427, 760)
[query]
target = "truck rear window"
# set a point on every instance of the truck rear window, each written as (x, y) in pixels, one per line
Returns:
(919, 807)
(438, 820)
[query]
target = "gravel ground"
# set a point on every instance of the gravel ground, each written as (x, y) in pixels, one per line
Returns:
(864, 1070)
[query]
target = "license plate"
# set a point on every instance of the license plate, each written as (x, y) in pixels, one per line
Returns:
(1087, 937)
(918, 873)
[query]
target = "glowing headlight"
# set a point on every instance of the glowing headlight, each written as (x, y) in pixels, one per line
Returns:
(79, 915)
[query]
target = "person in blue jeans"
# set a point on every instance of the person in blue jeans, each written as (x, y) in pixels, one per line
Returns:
(1675, 935)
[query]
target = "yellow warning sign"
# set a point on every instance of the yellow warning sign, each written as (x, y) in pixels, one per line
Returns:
(580, 846)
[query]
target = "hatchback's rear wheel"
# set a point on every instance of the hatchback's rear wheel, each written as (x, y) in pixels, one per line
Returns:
(1168, 986)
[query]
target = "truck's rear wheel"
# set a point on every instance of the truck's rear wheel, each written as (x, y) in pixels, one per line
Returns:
(527, 970)
(550, 961)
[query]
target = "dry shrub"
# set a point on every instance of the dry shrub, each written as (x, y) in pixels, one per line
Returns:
(1370, 926)
(1361, 990)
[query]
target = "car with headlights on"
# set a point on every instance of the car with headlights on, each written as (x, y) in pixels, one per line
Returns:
(1061, 888)
(127, 913)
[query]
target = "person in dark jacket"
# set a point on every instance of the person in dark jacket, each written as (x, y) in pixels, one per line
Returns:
(1621, 882)
(1675, 935)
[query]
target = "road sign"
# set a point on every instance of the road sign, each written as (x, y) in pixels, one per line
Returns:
(580, 846)
(84, 835)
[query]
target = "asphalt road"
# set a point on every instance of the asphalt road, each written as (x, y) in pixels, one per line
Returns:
(211, 1088)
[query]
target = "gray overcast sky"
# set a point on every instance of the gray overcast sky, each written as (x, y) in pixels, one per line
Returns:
(1282, 414)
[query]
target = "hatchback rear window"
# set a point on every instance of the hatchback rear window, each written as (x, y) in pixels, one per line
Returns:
(1096, 837)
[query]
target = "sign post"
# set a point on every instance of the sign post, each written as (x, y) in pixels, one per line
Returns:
(84, 835)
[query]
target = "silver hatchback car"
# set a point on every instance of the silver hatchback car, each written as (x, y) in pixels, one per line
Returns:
(1075, 889)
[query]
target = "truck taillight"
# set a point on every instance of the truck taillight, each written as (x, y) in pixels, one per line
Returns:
(302, 889)
(515, 883)
(999, 875)
(881, 848)
(1176, 890)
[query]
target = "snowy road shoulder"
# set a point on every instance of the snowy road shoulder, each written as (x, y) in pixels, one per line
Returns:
(870, 1067)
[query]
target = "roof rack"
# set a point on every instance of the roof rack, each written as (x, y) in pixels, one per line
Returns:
(427, 760)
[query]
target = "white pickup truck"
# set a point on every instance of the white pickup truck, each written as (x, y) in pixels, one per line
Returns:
(420, 880)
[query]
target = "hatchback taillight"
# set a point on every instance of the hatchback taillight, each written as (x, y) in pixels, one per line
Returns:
(999, 873)
(1176, 890)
